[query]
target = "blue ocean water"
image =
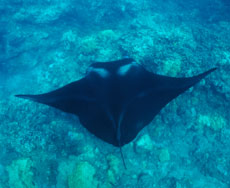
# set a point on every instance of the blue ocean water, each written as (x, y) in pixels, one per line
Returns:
(47, 44)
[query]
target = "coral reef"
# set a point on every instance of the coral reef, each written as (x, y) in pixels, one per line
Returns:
(47, 44)
(114, 169)
(216, 122)
(20, 174)
(83, 176)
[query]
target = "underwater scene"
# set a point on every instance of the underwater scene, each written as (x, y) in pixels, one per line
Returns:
(147, 116)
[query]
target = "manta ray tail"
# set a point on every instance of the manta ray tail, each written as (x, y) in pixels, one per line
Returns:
(123, 160)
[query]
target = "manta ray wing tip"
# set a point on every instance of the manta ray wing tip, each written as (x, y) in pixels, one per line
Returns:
(25, 96)
(213, 69)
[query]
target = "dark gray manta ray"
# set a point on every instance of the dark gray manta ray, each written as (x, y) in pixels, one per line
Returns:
(116, 100)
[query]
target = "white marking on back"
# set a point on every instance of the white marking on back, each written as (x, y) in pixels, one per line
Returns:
(100, 71)
(123, 70)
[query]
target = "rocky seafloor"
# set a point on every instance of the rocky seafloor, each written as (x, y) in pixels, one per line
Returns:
(47, 44)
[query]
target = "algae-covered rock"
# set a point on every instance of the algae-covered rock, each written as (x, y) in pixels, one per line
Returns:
(69, 38)
(214, 121)
(172, 67)
(111, 176)
(89, 151)
(218, 122)
(144, 142)
(20, 174)
(107, 35)
(164, 155)
(89, 45)
(83, 176)
(113, 171)
(41, 14)
(114, 163)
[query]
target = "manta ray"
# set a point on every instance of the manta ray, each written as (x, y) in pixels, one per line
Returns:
(117, 99)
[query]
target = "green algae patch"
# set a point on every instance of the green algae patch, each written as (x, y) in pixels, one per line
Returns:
(83, 176)
(108, 35)
(114, 171)
(172, 67)
(111, 177)
(89, 45)
(114, 163)
(102, 43)
(215, 121)
(20, 174)
(70, 39)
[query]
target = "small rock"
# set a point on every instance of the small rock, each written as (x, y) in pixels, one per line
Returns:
(164, 155)
(144, 142)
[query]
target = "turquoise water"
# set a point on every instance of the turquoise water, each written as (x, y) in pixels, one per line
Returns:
(47, 44)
